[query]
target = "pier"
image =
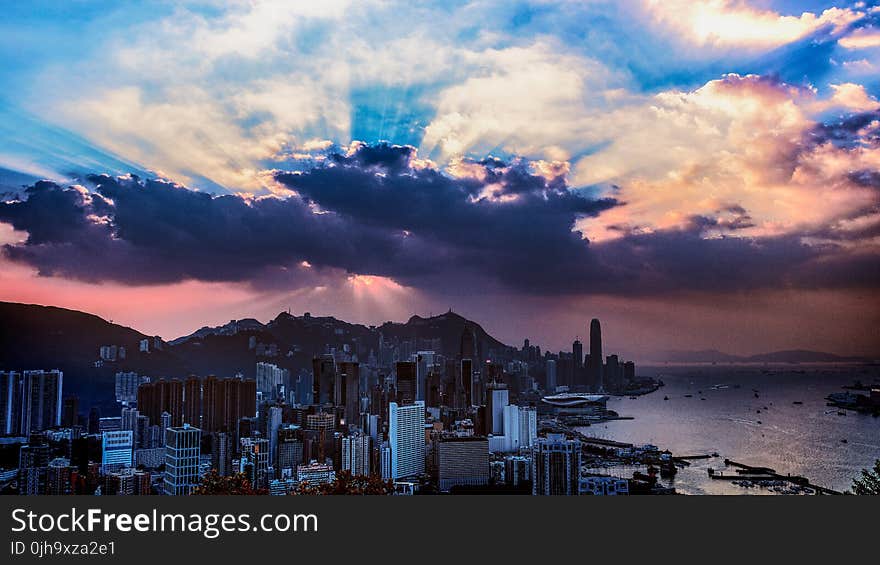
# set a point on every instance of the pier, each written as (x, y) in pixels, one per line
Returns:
(745, 472)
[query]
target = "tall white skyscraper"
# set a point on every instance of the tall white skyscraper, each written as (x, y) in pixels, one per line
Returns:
(406, 437)
(181, 459)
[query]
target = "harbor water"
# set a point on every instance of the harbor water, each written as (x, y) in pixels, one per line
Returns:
(768, 416)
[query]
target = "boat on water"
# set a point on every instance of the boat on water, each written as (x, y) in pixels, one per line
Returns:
(665, 398)
(798, 402)
(689, 396)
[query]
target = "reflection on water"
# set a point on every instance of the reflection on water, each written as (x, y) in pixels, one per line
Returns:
(748, 414)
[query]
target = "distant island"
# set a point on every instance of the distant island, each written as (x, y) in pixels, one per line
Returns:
(786, 356)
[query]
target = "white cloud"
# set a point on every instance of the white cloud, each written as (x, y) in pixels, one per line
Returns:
(725, 23)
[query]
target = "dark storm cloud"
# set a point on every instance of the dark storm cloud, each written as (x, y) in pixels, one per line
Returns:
(376, 210)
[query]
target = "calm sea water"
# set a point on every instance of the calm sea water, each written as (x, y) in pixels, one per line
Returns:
(719, 417)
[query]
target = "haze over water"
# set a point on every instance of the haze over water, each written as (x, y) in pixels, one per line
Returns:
(798, 439)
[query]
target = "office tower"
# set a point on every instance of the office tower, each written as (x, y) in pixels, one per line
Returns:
(347, 391)
(117, 448)
(30, 401)
(324, 378)
(629, 371)
(290, 451)
(270, 378)
(356, 454)
(69, 411)
(58, 476)
(577, 352)
(406, 382)
(192, 401)
(33, 459)
(254, 462)
(496, 399)
(551, 376)
(127, 383)
(181, 459)
(273, 424)
(556, 464)
(461, 461)
(221, 453)
(406, 438)
(594, 364)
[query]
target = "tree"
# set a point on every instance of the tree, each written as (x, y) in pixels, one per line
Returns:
(346, 483)
(214, 483)
(869, 482)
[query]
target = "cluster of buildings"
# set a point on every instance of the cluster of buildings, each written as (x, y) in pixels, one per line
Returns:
(426, 422)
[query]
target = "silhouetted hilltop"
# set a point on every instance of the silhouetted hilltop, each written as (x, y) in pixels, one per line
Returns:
(47, 337)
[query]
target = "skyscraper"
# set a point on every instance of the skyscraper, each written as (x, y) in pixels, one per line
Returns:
(594, 366)
(269, 378)
(273, 424)
(406, 437)
(30, 401)
(290, 451)
(221, 453)
(181, 459)
(324, 371)
(462, 461)
(356, 454)
(577, 351)
(116, 450)
(407, 385)
(551, 376)
(255, 461)
(468, 345)
(496, 400)
(348, 391)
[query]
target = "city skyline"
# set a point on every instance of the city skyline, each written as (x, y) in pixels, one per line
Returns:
(697, 175)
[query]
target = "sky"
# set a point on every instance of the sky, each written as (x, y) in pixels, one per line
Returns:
(696, 173)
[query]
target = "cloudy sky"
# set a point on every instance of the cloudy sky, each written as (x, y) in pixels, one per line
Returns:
(700, 173)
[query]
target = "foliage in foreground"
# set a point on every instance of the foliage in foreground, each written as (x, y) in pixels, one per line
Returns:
(869, 481)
